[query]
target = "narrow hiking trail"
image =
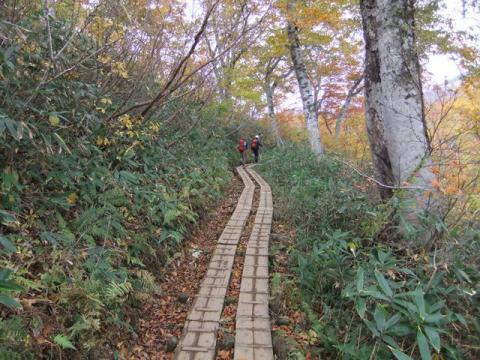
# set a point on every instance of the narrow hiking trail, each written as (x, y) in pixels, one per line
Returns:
(164, 317)
(213, 302)
(252, 322)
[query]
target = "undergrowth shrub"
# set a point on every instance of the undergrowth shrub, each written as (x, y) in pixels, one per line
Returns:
(361, 298)
(91, 207)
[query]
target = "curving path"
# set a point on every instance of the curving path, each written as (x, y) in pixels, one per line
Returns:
(253, 337)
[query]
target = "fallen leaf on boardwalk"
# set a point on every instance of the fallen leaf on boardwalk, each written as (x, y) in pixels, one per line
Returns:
(223, 355)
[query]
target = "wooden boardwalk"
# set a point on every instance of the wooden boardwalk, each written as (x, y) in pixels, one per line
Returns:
(253, 337)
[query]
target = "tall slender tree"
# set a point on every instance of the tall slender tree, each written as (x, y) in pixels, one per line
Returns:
(304, 82)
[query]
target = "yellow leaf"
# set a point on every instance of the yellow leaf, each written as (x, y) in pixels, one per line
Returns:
(72, 198)
(126, 121)
(54, 120)
(106, 101)
(105, 59)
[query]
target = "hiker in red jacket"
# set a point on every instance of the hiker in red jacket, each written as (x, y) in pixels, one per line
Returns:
(256, 145)
(242, 149)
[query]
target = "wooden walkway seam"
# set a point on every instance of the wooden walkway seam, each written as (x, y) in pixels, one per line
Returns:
(199, 336)
(253, 338)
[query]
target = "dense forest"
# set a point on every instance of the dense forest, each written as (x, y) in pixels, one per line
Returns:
(119, 128)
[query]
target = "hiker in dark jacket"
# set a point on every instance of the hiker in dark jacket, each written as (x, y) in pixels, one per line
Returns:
(255, 146)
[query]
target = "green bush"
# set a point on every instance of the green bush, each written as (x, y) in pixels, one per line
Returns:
(91, 207)
(361, 298)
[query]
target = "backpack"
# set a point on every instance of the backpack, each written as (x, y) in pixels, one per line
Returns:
(254, 143)
(242, 145)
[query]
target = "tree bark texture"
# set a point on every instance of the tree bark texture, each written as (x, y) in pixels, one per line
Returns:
(393, 99)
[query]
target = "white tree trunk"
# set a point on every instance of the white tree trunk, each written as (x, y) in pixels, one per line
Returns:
(394, 100)
(305, 86)
(269, 90)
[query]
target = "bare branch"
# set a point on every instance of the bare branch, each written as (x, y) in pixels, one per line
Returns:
(354, 91)
(371, 179)
(49, 31)
(181, 64)
(190, 75)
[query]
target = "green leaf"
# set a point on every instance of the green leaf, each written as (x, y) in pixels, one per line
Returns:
(372, 328)
(7, 285)
(376, 294)
(437, 306)
(400, 330)
(433, 318)
(379, 316)
(390, 341)
(15, 128)
(127, 178)
(7, 245)
(462, 275)
(423, 346)
(48, 236)
(63, 341)
(399, 354)
(433, 337)
(407, 305)
(169, 216)
(62, 143)
(5, 274)
(461, 318)
(361, 307)
(419, 301)
(360, 279)
(9, 301)
(392, 321)
(382, 256)
(6, 217)
(383, 283)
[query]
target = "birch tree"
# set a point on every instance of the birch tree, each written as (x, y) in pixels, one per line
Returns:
(394, 103)
(304, 83)
(270, 84)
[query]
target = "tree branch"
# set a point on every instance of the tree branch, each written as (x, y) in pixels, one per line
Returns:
(352, 92)
(181, 64)
(49, 32)
(371, 179)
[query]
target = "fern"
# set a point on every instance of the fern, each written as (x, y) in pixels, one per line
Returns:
(85, 324)
(145, 281)
(115, 290)
(11, 329)
(64, 342)
(9, 354)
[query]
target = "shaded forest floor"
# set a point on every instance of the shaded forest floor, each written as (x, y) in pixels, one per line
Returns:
(163, 317)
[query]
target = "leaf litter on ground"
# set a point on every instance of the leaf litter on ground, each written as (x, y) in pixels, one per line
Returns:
(164, 316)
